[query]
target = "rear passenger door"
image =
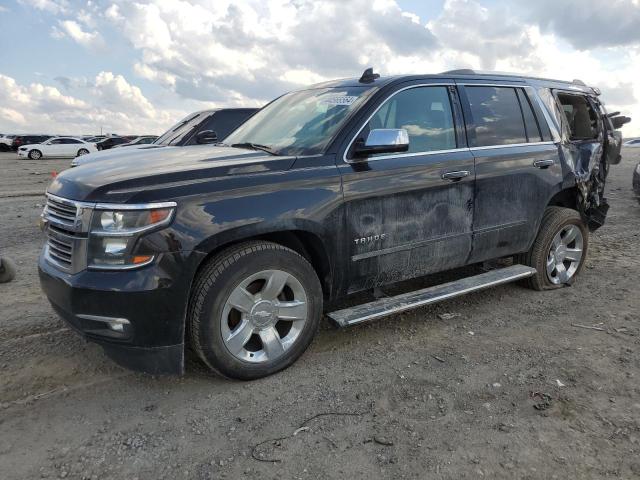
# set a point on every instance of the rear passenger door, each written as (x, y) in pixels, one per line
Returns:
(55, 148)
(71, 147)
(517, 166)
(409, 214)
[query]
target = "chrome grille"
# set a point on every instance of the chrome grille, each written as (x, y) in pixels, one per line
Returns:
(67, 223)
(61, 211)
(61, 252)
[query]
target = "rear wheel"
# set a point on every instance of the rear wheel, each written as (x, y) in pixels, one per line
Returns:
(35, 154)
(559, 250)
(82, 151)
(254, 310)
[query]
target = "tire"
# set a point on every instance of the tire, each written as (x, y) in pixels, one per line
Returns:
(563, 229)
(258, 342)
(35, 154)
(7, 270)
(82, 151)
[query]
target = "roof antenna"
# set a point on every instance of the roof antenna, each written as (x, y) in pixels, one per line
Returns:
(368, 76)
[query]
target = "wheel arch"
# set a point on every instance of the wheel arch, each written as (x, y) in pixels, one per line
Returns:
(567, 197)
(307, 243)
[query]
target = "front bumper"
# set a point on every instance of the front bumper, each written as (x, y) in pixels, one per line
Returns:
(149, 303)
(22, 153)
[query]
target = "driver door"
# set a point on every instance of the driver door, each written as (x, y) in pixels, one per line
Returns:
(410, 214)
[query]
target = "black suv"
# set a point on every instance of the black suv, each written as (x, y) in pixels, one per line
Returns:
(234, 249)
(199, 128)
(20, 140)
(206, 126)
(111, 142)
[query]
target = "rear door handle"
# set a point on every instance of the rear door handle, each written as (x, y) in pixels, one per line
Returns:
(544, 163)
(457, 175)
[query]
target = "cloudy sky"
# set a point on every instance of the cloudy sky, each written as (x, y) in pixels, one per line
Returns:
(137, 66)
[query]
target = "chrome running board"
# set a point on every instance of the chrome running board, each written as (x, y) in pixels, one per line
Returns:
(406, 301)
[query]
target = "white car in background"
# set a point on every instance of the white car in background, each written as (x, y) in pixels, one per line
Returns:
(632, 143)
(59, 147)
(5, 142)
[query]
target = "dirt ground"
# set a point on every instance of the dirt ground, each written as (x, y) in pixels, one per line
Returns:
(443, 392)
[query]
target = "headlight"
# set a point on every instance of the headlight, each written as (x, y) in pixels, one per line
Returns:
(114, 234)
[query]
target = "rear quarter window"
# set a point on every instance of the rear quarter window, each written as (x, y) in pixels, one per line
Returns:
(496, 115)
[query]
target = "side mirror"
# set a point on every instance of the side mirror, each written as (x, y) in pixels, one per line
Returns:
(206, 136)
(383, 140)
(618, 122)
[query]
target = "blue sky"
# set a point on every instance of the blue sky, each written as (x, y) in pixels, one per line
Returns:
(139, 65)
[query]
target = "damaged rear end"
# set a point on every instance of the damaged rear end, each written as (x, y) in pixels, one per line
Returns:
(590, 142)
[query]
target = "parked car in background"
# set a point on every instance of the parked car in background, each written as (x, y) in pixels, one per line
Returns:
(143, 140)
(112, 141)
(93, 138)
(5, 142)
(205, 127)
(60, 147)
(20, 140)
(635, 143)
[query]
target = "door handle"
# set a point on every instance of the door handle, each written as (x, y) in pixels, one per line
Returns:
(544, 163)
(455, 176)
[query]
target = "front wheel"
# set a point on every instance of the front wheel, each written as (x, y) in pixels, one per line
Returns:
(35, 154)
(559, 250)
(254, 310)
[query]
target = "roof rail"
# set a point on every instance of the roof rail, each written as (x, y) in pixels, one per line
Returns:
(469, 71)
(460, 71)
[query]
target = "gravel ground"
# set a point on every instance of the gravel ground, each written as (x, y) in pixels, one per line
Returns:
(497, 384)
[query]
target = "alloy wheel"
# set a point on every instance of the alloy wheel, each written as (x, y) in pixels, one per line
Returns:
(263, 316)
(565, 254)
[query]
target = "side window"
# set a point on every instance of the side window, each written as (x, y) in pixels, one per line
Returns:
(70, 141)
(57, 141)
(580, 116)
(225, 122)
(424, 112)
(530, 123)
(496, 115)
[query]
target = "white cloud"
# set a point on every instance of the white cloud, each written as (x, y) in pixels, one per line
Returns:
(72, 29)
(112, 104)
(246, 52)
(51, 6)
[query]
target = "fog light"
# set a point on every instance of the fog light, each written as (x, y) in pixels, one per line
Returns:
(118, 325)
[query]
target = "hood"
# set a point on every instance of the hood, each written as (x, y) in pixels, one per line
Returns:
(111, 153)
(116, 177)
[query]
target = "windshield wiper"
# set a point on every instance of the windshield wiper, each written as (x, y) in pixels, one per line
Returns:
(255, 146)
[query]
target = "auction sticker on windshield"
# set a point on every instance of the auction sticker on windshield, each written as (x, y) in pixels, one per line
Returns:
(339, 100)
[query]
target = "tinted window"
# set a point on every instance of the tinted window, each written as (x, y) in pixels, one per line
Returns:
(225, 122)
(181, 130)
(496, 115)
(57, 141)
(424, 112)
(70, 140)
(530, 123)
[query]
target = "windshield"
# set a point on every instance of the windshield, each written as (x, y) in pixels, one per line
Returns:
(181, 129)
(301, 123)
